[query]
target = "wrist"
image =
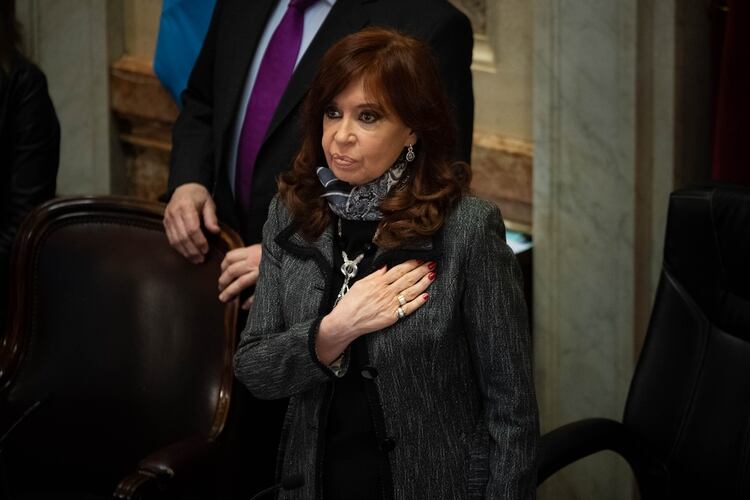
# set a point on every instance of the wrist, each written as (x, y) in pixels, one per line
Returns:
(332, 339)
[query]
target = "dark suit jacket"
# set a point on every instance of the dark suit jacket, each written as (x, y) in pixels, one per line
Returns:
(29, 153)
(453, 380)
(203, 132)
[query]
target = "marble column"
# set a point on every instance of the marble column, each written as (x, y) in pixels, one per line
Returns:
(74, 42)
(585, 179)
(622, 116)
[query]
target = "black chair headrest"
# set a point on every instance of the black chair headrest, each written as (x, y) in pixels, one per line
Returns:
(714, 269)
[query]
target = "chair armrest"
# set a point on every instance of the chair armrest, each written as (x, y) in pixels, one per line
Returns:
(571, 442)
(164, 464)
(576, 440)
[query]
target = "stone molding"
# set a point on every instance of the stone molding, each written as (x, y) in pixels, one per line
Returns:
(502, 173)
(145, 115)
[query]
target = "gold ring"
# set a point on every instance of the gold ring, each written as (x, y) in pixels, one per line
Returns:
(400, 313)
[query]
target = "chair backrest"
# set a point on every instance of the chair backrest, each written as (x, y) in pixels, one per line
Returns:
(690, 397)
(117, 347)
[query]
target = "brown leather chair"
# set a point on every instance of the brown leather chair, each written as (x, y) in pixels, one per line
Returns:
(686, 427)
(115, 373)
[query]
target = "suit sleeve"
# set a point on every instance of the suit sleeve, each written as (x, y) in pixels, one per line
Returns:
(452, 41)
(192, 135)
(497, 326)
(275, 360)
(33, 156)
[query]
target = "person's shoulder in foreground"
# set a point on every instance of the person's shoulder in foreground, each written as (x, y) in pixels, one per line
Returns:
(472, 215)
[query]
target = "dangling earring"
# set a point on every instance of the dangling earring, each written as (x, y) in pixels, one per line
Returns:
(410, 153)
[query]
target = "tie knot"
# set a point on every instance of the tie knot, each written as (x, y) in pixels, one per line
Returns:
(301, 5)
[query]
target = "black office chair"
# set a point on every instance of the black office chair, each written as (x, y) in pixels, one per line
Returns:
(116, 372)
(686, 427)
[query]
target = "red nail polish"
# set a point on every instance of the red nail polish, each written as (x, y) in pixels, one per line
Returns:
(431, 276)
(432, 265)
(420, 262)
(425, 296)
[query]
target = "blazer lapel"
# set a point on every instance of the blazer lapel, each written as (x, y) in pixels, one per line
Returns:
(321, 250)
(246, 24)
(346, 17)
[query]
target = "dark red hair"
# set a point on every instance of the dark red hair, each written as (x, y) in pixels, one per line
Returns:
(401, 75)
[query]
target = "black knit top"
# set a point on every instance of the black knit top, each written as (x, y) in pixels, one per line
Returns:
(354, 464)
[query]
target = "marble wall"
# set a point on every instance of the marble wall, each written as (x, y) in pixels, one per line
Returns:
(618, 124)
(502, 154)
(584, 177)
(503, 80)
(74, 42)
(78, 44)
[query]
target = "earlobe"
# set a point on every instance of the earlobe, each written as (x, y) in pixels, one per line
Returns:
(411, 139)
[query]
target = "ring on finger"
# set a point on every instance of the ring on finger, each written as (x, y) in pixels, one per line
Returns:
(400, 312)
(401, 299)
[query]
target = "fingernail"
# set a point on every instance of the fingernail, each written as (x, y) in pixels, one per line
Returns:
(419, 262)
(425, 296)
(431, 276)
(432, 265)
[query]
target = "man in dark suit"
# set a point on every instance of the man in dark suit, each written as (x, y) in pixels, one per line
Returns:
(201, 180)
(209, 131)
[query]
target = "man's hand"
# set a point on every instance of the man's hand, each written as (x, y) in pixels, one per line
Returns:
(239, 271)
(182, 220)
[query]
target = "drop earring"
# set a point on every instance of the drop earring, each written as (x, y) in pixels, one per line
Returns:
(410, 153)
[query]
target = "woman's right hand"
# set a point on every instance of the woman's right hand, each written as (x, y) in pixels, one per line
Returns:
(372, 304)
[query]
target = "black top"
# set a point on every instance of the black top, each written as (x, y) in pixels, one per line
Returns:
(353, 461)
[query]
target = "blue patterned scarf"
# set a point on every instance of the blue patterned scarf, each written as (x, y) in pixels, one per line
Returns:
(359, 202)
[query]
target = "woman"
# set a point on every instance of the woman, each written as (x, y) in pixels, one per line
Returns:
(389, 308)
(29, 140)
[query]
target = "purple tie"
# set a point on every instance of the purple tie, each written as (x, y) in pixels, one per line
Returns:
(273, 75)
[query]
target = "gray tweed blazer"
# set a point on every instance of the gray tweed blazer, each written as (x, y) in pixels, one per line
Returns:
(454, 379)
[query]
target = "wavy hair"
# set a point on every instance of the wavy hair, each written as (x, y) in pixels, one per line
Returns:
(399, 72)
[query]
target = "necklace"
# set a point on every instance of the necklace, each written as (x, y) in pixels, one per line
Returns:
(349, 270)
